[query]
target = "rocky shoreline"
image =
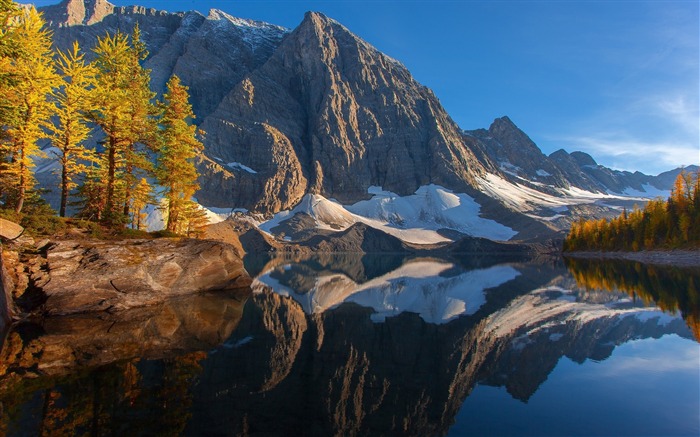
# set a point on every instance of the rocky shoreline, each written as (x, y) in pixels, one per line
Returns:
(85, 276)
(678, 258)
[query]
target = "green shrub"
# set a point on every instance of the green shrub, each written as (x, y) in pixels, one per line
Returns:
(165, 234)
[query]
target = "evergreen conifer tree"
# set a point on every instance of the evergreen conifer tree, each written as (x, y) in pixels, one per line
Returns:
(71, 124)
(178, 146)
(29, 108)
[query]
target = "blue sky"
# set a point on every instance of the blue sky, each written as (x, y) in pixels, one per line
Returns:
(616, 79)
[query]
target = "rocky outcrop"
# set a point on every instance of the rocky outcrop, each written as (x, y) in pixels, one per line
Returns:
(97, 276)
(10, 230)
(82, 276)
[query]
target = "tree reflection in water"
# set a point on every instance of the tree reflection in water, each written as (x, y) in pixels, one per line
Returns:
(674, 290)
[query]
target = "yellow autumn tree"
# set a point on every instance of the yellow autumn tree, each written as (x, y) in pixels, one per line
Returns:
(71, 129)
(178, 146)
(32, 78)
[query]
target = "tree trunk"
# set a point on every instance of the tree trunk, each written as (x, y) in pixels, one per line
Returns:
(21, 193)
(127, 194)
(111, 170)
(64, 188)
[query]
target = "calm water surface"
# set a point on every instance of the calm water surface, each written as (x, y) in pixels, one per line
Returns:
(375, 345)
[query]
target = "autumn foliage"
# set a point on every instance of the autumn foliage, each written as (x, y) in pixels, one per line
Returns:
(670, 224)
(113, 140)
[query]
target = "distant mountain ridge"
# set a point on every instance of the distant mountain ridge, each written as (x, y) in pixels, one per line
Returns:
(318, 111)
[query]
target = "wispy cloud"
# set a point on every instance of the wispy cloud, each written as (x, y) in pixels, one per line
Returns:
(650, 133)
(623, 153)
(680, 110)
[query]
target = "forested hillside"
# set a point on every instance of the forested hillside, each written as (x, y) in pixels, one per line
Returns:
(674, 223)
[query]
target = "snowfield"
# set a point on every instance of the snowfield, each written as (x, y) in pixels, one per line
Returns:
(527, 200)
(418, 218)
(414, 219)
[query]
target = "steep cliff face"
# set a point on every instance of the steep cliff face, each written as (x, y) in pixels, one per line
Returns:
(77, 12)
(329, 114)
(210, 54)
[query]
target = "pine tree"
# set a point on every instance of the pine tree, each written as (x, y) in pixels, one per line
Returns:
(70, 127)
(122, 108)
(142, 120)
(178, 146)
(33, 80)
(142, 196)
(193, 220)
(92, 194)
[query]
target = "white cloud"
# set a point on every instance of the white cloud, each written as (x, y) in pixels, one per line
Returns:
(679, 110)
(621, 152)
(650, 133)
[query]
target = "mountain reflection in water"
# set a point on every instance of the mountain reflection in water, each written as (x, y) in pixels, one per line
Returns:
(338, 344)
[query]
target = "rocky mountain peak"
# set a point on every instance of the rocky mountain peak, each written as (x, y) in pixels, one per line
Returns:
(318, 20)
(507, 133)
(78, 12)
(243, 23)
(582, 159)
(503, 123)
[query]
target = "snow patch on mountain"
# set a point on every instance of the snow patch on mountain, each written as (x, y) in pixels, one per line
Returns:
(415, 219)
(329, 215)
(239, 166)
(156, 219)
(254, 32)
(527, 200)
(648, 191)
(432, 207)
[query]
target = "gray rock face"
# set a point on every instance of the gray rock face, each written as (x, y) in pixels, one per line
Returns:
(86, 276)
(584, 172)
(210, 54)
(318, 110)
(358, 238)
(327, 113)
(513, 155)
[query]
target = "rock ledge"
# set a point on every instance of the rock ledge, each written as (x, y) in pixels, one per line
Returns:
(79, 276)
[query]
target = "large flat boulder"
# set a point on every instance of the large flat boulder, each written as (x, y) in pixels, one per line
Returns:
(10, 230)
(86, 276)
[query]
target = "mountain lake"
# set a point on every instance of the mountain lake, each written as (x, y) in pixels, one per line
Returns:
(364, 345)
